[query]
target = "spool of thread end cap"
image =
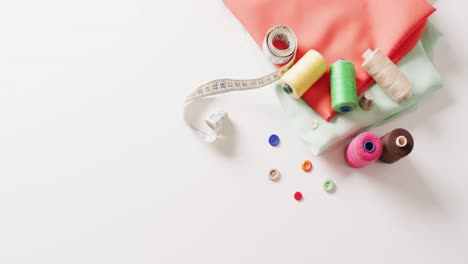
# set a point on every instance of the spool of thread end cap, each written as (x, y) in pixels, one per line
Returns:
(367, 100)
(287, 89)
(401, 141)
(369, 146)
(345, 109)
(302, 75)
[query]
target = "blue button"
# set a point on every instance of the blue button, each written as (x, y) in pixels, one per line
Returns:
(274, 140)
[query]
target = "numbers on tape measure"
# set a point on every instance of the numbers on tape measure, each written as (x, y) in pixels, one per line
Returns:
(275, 55)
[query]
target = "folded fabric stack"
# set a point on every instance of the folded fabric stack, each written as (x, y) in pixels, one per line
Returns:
(346, 29)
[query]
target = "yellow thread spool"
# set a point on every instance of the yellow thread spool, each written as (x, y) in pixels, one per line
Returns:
(303, 74)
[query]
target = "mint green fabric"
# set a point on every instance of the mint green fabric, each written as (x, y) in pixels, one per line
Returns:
(416, 65)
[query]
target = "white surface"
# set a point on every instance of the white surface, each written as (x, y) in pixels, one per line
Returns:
(96, 165)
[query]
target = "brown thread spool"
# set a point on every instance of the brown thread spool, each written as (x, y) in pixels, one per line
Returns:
(396, 144)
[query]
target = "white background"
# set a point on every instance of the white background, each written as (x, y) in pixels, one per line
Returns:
(97, 166)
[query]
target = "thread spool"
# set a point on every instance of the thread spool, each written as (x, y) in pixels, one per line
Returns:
(343, 86)
(363, 150)
(396, 144)
(387, 75)
(367, 100)
(303, 74)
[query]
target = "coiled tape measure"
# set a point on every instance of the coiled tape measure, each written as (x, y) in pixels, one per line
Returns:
(215, 121)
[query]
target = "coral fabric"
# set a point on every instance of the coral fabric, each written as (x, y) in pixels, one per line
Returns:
(338, 29)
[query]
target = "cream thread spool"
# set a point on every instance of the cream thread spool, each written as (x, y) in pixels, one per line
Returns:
(387, 75)
(297, 80)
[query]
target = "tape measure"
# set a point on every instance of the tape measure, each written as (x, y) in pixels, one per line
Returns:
(215, 121)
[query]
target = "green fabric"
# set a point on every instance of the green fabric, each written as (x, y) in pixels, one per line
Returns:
(416, 65)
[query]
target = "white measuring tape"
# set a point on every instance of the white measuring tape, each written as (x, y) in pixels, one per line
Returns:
(215, 121)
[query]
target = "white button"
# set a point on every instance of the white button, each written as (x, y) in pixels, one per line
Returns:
(314, 124)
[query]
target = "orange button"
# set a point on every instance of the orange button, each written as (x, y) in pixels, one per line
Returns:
(306, 165)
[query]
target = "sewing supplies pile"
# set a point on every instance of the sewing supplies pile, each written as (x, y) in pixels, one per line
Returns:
(342, 47)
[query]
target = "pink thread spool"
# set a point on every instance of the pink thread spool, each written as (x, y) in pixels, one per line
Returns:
(363, 150)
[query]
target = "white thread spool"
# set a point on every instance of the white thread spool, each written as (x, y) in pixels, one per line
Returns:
(303, 74)
(387, 75)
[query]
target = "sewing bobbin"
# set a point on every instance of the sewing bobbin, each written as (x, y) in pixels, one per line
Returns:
(367, 101)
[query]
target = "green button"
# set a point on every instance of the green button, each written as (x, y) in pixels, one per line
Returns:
(328, 185)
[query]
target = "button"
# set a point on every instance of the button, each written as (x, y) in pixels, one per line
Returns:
(314, 124)
(329, 185)
(306, 165)
(274, 175)
(298, 196)
(274, 140)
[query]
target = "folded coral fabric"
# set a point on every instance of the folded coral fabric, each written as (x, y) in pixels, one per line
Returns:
(416, 66)
(338, 29)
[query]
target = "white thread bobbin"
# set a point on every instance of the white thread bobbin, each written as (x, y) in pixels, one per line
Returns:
(387, 75)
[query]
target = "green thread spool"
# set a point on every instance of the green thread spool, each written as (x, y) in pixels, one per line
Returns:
(343, 86)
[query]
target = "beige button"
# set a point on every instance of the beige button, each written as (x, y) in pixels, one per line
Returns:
(274, 175)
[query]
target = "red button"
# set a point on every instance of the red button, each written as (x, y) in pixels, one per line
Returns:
(298, 196)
